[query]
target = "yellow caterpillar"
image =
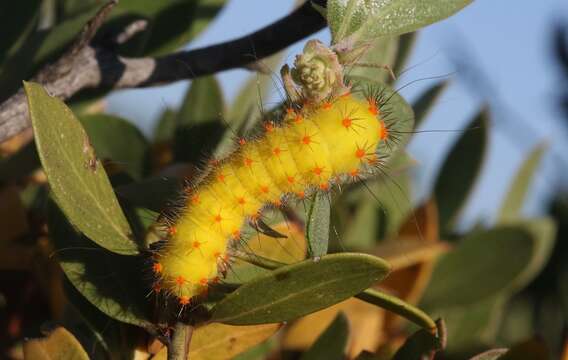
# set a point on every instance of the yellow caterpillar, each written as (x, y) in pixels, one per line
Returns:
(328, 135)
(313, 148)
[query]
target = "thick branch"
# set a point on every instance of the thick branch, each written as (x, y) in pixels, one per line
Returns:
(92, 66)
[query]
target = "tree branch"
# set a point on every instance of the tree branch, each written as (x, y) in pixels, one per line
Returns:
(98, 66)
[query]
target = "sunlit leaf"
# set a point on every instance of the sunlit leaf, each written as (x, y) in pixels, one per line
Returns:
(513, 202)
(295, 290)
(367, 19)
(76, 177)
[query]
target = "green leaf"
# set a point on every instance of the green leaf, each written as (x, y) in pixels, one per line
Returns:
(331, 343)
(363, 20)
(300, 289)
(406, 43)
(17, 19)
(362, 230)
(399, 307)
(118, 140)
(519, 188)
(111, 282)
(101, 333)
(420, 345)
(172, 23)
(473, 325)
(199, 128)
(482, 266)
(423, 106)
(75, 175)
(465, 158)
(382, 52)
(543, 232)
(317, 225)
(154, 193)
(165, 126)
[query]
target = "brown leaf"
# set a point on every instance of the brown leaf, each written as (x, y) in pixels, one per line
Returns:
(365, 323)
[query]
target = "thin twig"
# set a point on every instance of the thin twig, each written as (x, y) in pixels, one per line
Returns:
(98, 66)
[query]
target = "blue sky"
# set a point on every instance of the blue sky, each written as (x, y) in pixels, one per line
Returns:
(508, 40)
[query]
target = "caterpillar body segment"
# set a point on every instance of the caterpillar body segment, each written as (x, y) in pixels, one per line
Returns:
(311, 150)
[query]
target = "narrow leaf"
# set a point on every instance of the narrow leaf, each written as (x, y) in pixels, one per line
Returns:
(423, 106)
(300, 289)
(76, 177)
(465, 158)
(128, 150)
(516, 195)
(331, 343)
(317, 226)
(398, 307)
(198, 125)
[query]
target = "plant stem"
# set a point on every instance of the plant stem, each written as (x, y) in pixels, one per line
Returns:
(399, 307)
(178, 349)
(257, 260)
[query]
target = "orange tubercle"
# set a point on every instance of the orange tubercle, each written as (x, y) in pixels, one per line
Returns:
(183, 300)
(157, 268)
(318, 170)
(268, 126)
(383, 131)
(373, 109)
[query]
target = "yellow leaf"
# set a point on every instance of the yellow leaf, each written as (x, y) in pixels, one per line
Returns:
(222, 342)
(60, 344)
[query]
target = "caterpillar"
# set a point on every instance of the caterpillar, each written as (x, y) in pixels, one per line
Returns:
(327, 135)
